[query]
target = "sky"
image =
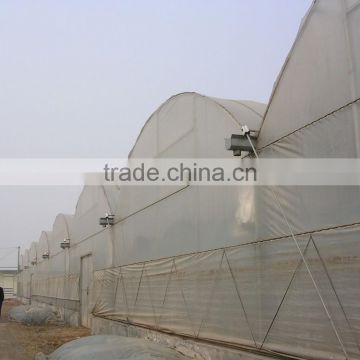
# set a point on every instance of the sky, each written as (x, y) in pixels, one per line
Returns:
(79, 78)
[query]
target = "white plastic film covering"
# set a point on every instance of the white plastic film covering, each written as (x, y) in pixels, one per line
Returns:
(321, 73)
(57, 287)
(111, 348)
(257, 295)
(253, 290)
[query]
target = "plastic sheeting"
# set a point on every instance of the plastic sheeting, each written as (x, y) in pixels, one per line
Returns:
(127, 242)
(111, 348)
(229, 270)
(257, 295)
(60, 287)
(33, 315)
(321, 73)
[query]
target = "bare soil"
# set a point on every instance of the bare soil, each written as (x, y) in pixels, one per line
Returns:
(45, 339)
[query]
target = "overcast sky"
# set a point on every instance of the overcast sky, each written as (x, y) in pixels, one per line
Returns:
(78, 78)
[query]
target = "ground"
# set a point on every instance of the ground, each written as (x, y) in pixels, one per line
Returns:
(22, 342)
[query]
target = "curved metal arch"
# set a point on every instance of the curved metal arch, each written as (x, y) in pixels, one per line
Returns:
(34, 245)
(211, 99)
(65, 218)
(85, 188)
(46, 236)
(286, 62)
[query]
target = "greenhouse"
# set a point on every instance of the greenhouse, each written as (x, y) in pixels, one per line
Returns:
(271, 270)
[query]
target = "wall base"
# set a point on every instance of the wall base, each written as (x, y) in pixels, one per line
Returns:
(190, 348)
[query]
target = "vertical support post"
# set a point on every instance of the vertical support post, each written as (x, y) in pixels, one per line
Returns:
(18, 260)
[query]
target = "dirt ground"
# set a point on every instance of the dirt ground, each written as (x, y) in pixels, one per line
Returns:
(34, 339)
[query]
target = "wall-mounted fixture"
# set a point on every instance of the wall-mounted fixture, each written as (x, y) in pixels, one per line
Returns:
(65, 244)
(108, 220)
(245, 141)
(45, 255)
